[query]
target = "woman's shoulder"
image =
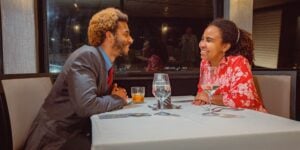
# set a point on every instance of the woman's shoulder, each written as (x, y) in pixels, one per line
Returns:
(237, 59)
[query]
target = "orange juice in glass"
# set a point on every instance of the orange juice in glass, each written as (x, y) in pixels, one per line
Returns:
(137, 94)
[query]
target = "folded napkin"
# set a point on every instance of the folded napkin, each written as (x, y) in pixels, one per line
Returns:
(167, 104)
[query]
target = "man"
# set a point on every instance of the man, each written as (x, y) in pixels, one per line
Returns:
(83, 87)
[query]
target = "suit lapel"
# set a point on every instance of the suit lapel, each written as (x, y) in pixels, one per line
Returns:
(102, 78)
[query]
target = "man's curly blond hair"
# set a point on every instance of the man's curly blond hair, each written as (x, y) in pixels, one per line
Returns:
(103, 21)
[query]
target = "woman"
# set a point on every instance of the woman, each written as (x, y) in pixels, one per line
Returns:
(230, 49)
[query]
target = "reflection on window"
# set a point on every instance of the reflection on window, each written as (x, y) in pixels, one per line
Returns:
(166, 33)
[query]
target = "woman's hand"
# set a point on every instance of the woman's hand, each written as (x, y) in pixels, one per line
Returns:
(119, 91)
(202, 99)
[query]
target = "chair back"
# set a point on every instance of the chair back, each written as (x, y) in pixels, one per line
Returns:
(277, 90)
(24, 97)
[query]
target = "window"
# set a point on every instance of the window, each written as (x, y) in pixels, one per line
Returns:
(172, 28)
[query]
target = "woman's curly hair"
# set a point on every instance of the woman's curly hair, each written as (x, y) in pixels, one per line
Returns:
(240, 40)
(103, 21)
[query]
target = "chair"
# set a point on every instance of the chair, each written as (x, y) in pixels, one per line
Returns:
(278, 91)
(24, 95)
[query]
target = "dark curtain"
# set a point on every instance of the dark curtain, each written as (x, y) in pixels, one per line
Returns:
(1, 49)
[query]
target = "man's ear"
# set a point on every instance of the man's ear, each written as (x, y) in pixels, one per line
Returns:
(226, 47)
(109, 35)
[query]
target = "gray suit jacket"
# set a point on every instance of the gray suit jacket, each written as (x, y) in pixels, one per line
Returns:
(79, 91)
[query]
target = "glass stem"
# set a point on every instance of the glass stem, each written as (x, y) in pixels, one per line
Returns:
(209, 100)
(158, 104)
(161, 104)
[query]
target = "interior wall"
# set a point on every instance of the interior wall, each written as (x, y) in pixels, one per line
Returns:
(240, 12)
(18, 35)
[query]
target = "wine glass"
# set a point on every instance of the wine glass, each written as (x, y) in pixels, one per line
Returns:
(209, 84)
(161, 89)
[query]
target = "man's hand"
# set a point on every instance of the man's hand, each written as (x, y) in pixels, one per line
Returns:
(119, 91)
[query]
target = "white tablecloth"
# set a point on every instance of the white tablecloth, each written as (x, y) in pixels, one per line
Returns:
(232, 130)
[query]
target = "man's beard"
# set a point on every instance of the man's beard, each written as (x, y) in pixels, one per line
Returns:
(120, 46)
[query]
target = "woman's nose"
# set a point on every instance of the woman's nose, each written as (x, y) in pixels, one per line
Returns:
(201, 44)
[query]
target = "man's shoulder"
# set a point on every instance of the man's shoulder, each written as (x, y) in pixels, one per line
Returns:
(86, 49)
(84, 52)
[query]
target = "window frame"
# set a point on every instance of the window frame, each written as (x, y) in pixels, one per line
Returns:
(42, 41)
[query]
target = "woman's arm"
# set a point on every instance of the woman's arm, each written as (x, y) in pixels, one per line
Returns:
(202, 97)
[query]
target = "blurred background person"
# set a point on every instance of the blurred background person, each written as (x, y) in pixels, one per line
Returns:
(155, 54)
(171, 48)
(189, 47)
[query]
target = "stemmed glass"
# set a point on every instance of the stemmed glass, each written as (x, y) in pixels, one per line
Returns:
(209, 84)
(161, 89)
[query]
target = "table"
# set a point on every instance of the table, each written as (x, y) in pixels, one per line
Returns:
(233, 130)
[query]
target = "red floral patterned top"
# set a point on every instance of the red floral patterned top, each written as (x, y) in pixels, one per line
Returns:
(236, 83)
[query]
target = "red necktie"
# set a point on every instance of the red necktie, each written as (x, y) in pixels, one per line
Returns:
(110, 76)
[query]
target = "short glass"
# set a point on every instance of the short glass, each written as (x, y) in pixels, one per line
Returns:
(137, 94)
